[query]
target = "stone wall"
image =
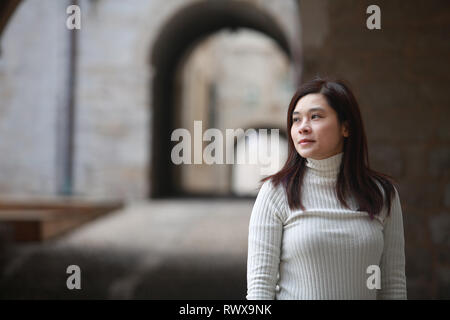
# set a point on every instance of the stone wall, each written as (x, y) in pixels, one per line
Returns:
(33, 64)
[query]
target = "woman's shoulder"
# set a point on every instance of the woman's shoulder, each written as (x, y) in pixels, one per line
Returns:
(270, 187)
(275, 192)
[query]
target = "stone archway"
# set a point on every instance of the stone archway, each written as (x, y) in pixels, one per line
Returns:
(182, 31)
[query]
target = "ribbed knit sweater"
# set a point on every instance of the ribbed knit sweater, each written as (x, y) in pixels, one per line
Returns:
(323, 252)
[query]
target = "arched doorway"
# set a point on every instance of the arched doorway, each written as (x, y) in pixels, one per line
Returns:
(186, 28)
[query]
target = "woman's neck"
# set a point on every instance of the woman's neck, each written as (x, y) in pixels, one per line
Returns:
(328, 165)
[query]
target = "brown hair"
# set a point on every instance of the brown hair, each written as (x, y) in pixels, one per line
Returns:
(355, 176)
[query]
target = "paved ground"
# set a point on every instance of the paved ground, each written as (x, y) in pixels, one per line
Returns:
(163, 249)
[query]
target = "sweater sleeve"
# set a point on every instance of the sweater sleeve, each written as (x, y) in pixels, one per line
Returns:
(264, 244)
(392, 264)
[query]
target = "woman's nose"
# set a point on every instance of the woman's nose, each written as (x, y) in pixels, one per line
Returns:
(304, 128)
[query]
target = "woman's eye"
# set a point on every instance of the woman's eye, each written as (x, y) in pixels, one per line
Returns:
(295, 119)
(314, 115)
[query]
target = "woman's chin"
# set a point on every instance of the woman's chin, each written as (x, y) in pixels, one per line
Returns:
(306, 154)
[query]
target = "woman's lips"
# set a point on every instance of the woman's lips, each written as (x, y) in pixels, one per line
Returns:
(306, 143)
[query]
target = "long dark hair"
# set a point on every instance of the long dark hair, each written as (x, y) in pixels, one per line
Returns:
(355, 176)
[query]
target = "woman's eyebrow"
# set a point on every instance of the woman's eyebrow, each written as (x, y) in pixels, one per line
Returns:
(310, 110)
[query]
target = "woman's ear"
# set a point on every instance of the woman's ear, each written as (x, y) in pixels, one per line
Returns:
(345, 129)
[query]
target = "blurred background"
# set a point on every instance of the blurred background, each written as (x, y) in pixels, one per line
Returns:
(86, 117)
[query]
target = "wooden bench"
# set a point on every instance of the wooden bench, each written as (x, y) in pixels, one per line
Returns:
(38, 220)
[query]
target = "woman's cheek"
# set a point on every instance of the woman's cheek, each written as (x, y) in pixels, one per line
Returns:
(327, 130)
(293, 135)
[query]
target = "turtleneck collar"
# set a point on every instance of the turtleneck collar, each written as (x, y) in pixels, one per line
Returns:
(328, 165)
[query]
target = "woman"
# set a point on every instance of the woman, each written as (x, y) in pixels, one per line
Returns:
(326, 226)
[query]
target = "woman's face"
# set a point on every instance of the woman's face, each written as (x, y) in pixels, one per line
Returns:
(314, 120)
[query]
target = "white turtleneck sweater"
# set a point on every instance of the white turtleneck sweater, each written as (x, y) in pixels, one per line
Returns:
(325, 251)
